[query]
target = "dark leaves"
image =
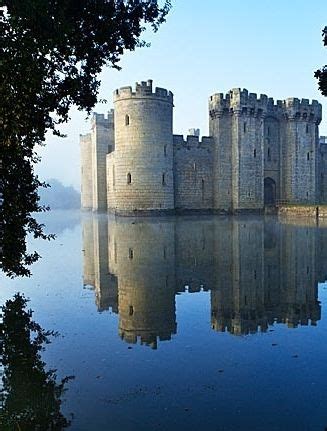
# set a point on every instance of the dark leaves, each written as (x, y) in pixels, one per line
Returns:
(321, 74)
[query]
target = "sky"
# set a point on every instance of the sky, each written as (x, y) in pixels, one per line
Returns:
(269, 47)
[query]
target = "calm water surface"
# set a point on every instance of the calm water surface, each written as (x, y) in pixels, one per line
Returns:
(184, 323)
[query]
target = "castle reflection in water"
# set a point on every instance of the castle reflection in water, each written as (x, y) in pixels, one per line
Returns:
(258, 270)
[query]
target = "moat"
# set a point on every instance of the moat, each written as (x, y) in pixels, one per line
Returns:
(171, 323)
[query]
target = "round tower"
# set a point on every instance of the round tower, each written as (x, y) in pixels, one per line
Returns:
(140, 172)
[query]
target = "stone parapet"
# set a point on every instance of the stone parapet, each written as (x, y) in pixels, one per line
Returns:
(241, 101)
(193, 141)
(237, 100)
(105, 120)
(143, 90)
(297, 109)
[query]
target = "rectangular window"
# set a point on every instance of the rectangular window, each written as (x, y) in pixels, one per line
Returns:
(244, 127)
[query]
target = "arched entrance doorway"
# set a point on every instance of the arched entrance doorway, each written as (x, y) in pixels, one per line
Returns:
(269, 191)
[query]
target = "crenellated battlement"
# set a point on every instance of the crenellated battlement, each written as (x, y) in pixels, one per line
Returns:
(142, 90)
(241, 101)
(237, 99)
(193, 142)
(106, 120)
(303, 109)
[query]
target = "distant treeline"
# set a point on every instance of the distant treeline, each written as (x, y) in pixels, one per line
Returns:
(58, 196)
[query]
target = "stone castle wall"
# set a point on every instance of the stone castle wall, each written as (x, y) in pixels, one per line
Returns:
(222, 160)
(272, 151)
(193, 171)
(248, 160)
(322, 171)
(102, 144)
(299, 150)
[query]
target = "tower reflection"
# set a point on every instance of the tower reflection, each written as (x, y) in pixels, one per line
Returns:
(258, 270)
(142, 255)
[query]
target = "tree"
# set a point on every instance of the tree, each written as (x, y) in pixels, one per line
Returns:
(51, 55)
(321, 74)
(30, 395)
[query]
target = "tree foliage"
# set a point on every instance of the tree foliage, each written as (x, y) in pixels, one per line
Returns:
(30, 395)
(51, 53)
(321, 74)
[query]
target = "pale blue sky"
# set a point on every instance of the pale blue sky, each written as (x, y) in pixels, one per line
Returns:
(268, 46)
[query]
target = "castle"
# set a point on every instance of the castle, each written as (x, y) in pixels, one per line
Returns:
(258, 153)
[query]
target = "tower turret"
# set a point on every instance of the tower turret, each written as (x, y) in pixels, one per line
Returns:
(140, 171)
(94, 148)
(299, 158)
(102, 143)
(236, 123)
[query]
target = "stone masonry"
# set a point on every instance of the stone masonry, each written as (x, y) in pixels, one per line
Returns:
(259, 153)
